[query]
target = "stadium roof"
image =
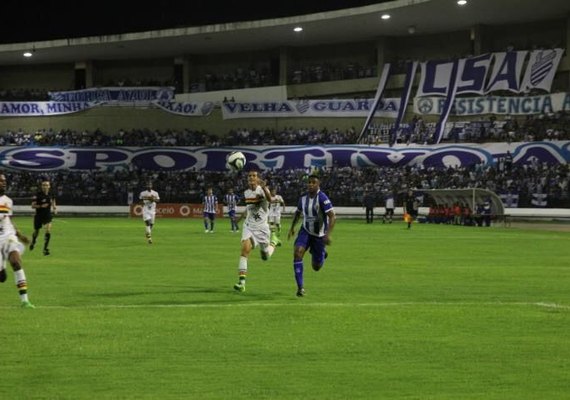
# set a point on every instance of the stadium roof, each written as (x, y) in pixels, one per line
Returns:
(334, 26)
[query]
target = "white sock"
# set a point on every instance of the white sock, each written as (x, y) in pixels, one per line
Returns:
(242, 268)
(20, 279)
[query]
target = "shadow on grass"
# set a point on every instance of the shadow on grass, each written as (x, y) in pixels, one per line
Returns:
(149, 297)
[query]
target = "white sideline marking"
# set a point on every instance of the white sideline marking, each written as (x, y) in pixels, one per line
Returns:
(300, 303)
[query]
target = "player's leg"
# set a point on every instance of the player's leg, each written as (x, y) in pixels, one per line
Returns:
(278, 224)
(300, 247)
(35, 234)
(212, 218)
(274, 239)
(232, 221)
(206, 219)
(47, 238)
(318, 253)
(14, 249)
(298, 254)
(148, 228)
(3, 275)
(248, 243)
(266, 240)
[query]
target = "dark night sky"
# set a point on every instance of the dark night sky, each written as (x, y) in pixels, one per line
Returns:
(35, 21)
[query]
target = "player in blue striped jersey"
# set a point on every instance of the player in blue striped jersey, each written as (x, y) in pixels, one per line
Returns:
(230, 200)
(318, 223)
(210, 203)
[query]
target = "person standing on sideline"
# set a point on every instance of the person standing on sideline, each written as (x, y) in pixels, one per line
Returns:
(12, 245)
(44, 204)
(411, 206)
(315, 232)
(368, 203)
(230, 200)
(210, 204)
(276, 206)
(255, 230)
(149, 198)
(389, 208)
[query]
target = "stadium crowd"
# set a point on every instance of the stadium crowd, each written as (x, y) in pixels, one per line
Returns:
(531, 128)
(346, 185)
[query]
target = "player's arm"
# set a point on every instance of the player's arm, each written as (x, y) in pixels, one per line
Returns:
(53, 206)
(35, 202)
(21, 237)
(265, 189)
(332, 220)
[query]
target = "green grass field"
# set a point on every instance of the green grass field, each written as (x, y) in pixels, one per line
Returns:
(435, 312)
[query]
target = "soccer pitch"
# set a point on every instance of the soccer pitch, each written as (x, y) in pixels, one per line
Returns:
(435, 312)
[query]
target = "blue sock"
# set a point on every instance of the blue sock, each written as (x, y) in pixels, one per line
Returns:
(298, 268)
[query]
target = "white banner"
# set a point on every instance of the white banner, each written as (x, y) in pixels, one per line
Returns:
(507, 70)
(188, 109)
(51, 108)
(310, 108)
(42, 108)
(548, 103)
(116, 95)
(487, 73)
(540, 70)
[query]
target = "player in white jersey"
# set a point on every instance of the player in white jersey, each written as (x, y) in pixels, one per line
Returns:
(276, 206)
(12, 245)
(255, 229)
(149, 198)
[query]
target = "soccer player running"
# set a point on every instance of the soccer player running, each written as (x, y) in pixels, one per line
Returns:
(318, 223)
(149, 198)
(44, 204)
(12, 246)
(230, 200)
(255, 230)
(276, 206)
(210, 204)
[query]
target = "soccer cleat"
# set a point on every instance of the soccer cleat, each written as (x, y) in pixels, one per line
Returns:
(46, 252)
(206, 231)
(300, 292)
(149, 240)
(32, 246)
(275, 240)
(239, 287)
(27, 304)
